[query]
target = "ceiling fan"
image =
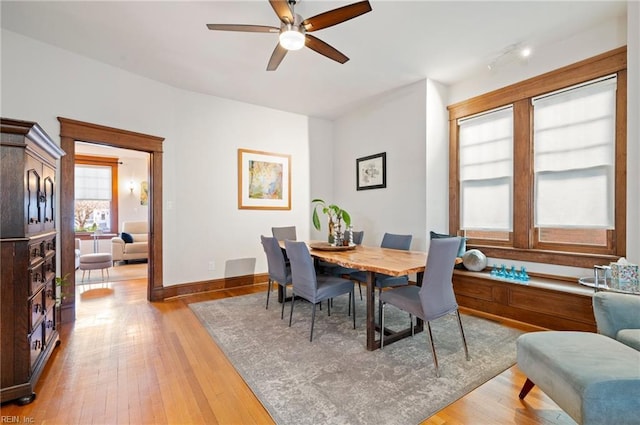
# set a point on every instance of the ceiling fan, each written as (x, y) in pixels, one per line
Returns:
(294, 30)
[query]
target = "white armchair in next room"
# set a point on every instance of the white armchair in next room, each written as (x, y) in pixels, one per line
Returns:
(133, 242)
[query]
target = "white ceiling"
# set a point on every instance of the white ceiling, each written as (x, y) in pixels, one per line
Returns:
(397, 43)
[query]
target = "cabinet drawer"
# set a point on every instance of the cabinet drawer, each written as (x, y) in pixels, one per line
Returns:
(49, 324)
(36, 309)
(49, 295)
(36, 279)
(49, 269)
(36, 253)
(36, 344)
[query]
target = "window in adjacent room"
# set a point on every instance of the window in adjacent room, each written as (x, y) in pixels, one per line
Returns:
(96, 199)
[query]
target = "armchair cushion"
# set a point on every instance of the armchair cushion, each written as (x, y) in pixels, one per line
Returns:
(618, 316)
(126, 237)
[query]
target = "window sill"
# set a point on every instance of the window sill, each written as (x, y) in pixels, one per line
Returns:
(574, 259)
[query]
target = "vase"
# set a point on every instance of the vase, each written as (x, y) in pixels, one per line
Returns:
(330, 237)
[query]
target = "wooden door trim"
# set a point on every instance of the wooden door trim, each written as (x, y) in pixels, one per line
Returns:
(72, 131)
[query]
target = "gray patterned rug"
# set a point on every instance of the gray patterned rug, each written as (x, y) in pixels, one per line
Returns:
(334, 379)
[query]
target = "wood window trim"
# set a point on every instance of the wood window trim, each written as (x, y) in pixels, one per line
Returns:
(519, 94)
(105, 162)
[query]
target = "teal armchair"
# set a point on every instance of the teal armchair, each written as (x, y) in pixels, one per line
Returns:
(618, 316)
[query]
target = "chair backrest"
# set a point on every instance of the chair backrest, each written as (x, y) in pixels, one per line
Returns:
(284, 233)
(358, 235)
(303, 273)
(275, 260)
(436, 295)
(390, 240)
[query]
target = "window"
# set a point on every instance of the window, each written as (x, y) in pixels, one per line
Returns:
(538, 169)
(96, 199)
(574, 164)
(486, 174)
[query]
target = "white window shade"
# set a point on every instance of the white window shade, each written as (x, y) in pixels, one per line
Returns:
(486, 171)
(92, 183)
(574, 157)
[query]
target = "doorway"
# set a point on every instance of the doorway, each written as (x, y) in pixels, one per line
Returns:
(72, 131)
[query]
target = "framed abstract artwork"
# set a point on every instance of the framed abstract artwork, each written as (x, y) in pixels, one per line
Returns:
(371, 172)
(264, 180)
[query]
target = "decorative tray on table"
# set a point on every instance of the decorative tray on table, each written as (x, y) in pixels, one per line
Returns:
(325, 246)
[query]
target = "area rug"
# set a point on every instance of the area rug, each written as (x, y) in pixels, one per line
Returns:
(116, 274)
(334, 379)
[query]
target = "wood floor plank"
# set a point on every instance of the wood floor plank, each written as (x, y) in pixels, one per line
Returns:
(129, 361)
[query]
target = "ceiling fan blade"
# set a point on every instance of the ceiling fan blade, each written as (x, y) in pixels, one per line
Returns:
(281, 7)
(276, 57)
(243, 28)
(336, 16)
(314, 43)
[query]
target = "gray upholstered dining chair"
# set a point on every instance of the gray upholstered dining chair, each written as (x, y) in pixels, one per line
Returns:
(279, 272)
(435, 298)
(392, 241)
(335, 269)
(284, 233)
(313, 287)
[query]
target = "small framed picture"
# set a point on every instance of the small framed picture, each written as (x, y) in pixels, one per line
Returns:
(264, 180)
(371, 172)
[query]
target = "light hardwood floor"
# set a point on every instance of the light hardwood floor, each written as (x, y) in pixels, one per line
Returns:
(128, 361)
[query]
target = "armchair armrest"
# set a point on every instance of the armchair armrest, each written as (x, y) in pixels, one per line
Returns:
(614, 311)
(117, 248)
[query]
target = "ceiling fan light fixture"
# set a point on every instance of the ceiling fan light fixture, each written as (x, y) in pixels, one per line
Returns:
(292, 39)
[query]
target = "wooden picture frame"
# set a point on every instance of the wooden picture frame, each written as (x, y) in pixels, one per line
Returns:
(264, 180)
(371, 172)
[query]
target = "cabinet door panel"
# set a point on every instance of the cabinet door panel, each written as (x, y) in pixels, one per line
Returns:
(48, 190)
(32, 196)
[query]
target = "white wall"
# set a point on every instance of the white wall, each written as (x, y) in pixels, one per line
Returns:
(202, 134)
(395, 123)
(132, 171)
(321, 167)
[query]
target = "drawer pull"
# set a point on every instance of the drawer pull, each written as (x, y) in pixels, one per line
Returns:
(37, 344)
(37, 308)
(49, 324)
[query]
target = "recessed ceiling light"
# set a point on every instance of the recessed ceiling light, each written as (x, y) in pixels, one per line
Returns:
(525, 52)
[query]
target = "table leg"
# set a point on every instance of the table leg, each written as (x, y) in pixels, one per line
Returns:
(372, 344)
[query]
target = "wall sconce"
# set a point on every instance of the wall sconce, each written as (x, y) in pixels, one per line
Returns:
(131, 187)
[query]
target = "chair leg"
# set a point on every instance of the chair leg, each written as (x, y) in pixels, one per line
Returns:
(329, 306)
(284, 298)
(83, 275)
(293, 300)
(382, 326)
(354, 309)
(380, 308)
(268, 292)
(313, 319)
(528, 385)
(464, 340)
(433, 350)
(352, 298)
(411, 324)
(360, 288)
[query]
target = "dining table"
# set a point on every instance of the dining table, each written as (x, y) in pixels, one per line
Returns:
(374, 260)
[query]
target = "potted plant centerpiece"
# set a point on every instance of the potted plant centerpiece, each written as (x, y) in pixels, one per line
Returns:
(336, 216)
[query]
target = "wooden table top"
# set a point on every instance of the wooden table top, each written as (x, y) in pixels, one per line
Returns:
(394, 262)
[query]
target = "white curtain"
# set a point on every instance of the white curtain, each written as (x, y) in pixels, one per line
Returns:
(486, 171)
(93, 183)
(574, 156)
